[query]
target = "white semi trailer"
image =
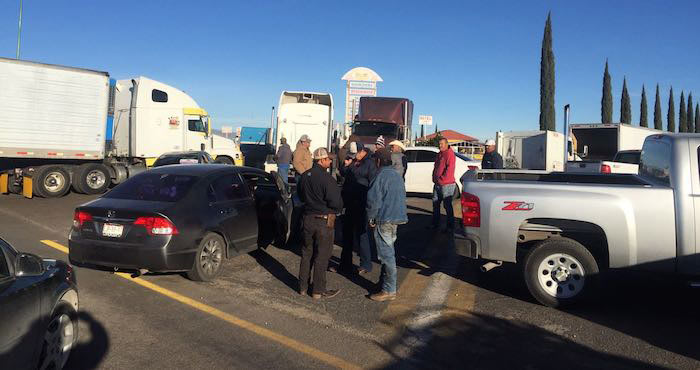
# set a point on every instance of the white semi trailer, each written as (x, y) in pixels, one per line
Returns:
(63, 127)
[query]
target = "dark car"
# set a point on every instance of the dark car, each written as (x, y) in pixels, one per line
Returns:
(38, 310)
(182, 218)
(191, 157)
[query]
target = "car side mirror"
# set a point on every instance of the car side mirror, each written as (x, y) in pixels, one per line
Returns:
(29, 265)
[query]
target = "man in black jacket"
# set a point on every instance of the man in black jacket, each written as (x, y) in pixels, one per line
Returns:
(491, 160)
(322, 202)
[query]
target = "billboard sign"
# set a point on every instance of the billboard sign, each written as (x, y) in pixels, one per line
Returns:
(361, 81)
(425, 120)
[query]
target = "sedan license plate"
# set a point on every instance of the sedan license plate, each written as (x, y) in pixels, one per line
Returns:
(112, 230)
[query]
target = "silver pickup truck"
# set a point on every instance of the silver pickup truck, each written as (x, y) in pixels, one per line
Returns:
(564, 229)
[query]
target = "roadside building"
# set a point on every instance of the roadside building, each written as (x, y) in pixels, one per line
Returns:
(465, 144)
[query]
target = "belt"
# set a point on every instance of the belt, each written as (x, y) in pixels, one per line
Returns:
(325, 217)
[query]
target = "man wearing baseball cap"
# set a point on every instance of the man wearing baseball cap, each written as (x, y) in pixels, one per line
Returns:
(398, 159)
(301, 158)
(322, 202)
(491, 160)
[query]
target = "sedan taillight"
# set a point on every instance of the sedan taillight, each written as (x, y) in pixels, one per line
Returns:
(80, 218)
(471, 210)
(157, 225)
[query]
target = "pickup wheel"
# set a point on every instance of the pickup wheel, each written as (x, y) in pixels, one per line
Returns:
(560, 272)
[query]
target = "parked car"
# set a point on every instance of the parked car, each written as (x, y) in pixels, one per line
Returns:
(191, 157)
(624, 162)
(566, 228)
(38, 310)
(421, 160)
(182, 218)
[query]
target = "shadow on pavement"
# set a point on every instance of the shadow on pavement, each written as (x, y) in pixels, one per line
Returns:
(89, 354)
(657, 309)
(274, 267)
(479, 341)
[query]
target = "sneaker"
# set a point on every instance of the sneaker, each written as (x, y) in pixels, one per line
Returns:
(383, 296)
(362, 271)
(327, 294)
(332, 269)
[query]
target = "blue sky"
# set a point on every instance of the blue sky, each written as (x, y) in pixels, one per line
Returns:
(473, 65)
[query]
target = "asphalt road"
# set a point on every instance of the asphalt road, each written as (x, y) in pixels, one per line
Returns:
(447, 315)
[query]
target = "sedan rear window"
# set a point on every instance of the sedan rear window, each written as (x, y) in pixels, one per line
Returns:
(154, 187)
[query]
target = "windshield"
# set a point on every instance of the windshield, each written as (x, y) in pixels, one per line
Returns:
(375, 129)
(628, 157)
(154, 187)
(463, 157)
(175, 159)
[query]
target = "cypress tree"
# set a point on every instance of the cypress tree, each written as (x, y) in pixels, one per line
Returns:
(547, 116)
(625, 109)
(606, 108)
(682, 116)
(697, 118)
(643, 109)
(658, 122)
(671, 114)
(691, 118)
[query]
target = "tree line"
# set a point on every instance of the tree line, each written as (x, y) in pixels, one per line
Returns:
(688, 115)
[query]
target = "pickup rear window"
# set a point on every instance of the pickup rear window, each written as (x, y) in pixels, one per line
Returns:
(655, 161)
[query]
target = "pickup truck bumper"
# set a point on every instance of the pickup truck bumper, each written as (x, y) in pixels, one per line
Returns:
(467, 245)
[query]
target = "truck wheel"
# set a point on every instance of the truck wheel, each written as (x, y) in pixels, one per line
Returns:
(223, 160)
(92, 178)
(51, 181)
(11, 187)
(209, 258)
(560, 272)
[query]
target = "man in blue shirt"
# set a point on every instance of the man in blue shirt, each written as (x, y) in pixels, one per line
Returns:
(386, 209)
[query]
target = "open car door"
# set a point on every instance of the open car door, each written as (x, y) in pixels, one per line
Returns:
(283, 218)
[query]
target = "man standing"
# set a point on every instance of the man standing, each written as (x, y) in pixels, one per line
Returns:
(321, 196)
(491, 160)
(302, 156)
(358, 174)
(386, 209)
(444, 188)
(283, 159)
(398, 159)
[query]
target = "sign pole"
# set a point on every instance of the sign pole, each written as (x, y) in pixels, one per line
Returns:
(19, 31)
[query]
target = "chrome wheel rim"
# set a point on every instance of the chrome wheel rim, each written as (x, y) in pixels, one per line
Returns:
(54, 182)
(561, 275)
(58, 342)
(95, 179)
(211, 256)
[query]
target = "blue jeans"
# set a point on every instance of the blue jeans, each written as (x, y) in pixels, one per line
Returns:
(444, 194)
(283, 171)
(385, 234)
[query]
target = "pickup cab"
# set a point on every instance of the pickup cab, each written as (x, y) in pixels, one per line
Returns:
(565, 229)
(625, 161)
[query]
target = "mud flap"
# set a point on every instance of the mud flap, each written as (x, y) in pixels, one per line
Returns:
(4, 183)
(27, 187)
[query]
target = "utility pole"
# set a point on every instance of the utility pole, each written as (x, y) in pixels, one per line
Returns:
(19, 31)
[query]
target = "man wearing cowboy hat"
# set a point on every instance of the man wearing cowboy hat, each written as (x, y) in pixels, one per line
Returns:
(398, 159)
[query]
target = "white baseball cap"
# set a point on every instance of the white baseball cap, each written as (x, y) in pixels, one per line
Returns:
(490, 142)
(320, 153)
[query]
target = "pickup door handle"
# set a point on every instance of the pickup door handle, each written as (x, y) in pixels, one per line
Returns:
(226, 211)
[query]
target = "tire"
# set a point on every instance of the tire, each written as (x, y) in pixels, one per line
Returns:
(223, 160)
(51, 181)
(209, 258)
(11, 187)
(60, 336)
(92, 178)
(560, 272)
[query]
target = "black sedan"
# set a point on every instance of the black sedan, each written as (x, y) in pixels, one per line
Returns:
(38, 311)
(182, 218)
(191, 157)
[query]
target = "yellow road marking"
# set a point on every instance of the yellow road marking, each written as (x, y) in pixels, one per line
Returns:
(55, 245)
(231, 319)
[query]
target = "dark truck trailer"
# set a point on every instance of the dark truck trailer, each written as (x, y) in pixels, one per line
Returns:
(388, 117)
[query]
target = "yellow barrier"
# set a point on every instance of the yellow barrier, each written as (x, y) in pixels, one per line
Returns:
(27, 187)
(4, 183)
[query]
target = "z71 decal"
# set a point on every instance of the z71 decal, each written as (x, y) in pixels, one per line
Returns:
(518, 206)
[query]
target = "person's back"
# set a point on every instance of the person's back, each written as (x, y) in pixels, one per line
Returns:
(386, 200)
(319, 192)
(284, 154)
